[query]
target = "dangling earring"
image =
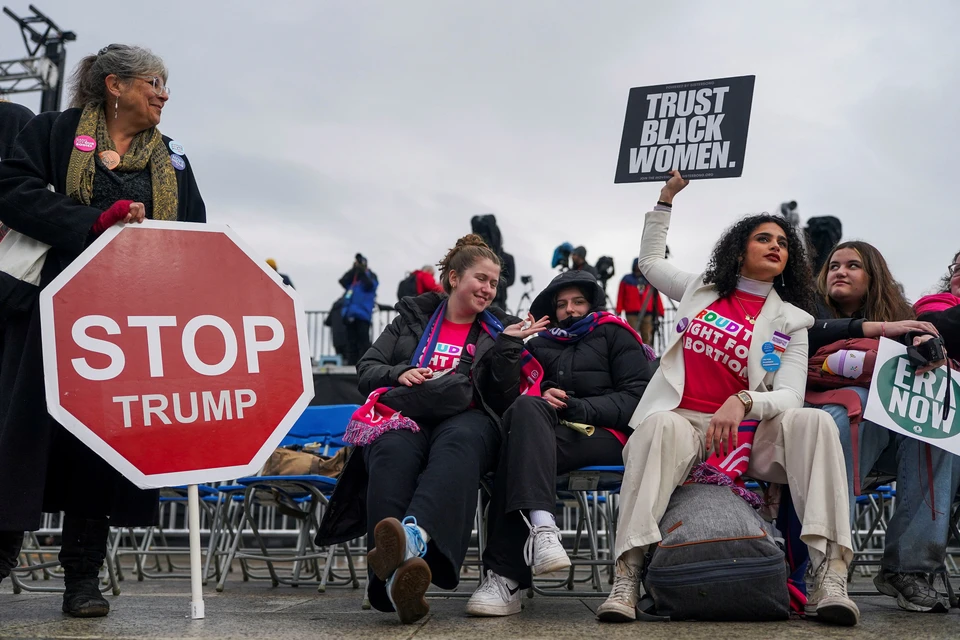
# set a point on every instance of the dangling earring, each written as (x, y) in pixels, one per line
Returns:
(116, 108)
(783, 282)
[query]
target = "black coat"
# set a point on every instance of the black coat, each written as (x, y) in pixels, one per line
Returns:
(947, 323)
(828, 329)
(495, 372)
(42, 466)
(13, 117)
(604, 375)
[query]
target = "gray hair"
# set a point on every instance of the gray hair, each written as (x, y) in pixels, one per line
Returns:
(121, 60)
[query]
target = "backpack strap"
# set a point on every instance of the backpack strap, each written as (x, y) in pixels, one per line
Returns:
(647, 611)
(466, 358)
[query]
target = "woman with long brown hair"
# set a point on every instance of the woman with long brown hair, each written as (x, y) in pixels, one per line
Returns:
(859, 298)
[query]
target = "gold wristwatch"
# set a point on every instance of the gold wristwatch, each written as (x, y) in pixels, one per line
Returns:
(747, 401)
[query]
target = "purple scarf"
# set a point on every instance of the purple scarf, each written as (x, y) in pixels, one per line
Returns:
(587, 324)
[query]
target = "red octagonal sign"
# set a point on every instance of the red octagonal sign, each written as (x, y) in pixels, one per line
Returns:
(174, 353)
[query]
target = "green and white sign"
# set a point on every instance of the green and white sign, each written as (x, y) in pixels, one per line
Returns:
(912, 404)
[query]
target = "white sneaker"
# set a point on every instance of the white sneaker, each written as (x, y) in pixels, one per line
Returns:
(494, 597)
(828, 600)
(621, 604)
(543, 552)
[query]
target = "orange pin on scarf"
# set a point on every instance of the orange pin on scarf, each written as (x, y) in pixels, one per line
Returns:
(110, 159)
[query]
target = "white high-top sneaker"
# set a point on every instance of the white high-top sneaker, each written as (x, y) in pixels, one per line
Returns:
(543, 552)
(494, 597)
(621, 604)
(828, 600)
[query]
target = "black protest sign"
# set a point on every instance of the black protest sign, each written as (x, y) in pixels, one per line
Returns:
(699, 128)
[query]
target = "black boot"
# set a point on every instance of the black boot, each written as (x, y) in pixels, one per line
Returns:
(81, 556)
(10, 543)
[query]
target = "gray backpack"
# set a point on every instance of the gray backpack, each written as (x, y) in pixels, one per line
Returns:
(717, 561)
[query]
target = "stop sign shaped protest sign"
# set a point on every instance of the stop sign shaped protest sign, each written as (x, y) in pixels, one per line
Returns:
(175, 353)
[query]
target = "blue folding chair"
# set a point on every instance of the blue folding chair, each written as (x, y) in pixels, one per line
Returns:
(301, 498)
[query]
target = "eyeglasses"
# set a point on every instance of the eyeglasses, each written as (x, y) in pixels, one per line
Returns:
(159, 87)
(952, 269)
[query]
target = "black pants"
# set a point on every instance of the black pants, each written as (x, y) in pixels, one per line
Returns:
(358, 340)
(10, 543)
(434, 476)
(537, 449)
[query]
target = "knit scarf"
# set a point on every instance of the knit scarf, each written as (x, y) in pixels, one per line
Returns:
(374, 418)
(727, 471)
(587, 324)
(147, 149)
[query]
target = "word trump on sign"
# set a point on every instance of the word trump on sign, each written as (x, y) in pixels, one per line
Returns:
(157, 408)
(699, 128)
(913, 404)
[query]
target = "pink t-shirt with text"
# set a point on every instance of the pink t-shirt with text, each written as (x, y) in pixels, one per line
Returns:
(450, 344)
(716, 346)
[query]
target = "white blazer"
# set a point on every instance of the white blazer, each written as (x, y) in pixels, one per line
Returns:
(772, 392)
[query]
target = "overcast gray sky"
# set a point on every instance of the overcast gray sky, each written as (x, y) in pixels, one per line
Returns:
(319, 129)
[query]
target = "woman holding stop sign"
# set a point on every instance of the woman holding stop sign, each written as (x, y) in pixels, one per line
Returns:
(450, 367)
(71, 176)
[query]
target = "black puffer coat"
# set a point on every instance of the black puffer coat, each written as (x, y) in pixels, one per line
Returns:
(496, 363)
(495, 372)
(604, 373)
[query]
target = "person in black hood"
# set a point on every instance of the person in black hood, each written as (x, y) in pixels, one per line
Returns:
(595, 371)
(413, 488)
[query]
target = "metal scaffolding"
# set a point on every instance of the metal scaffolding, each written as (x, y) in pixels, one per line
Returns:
(43, 72)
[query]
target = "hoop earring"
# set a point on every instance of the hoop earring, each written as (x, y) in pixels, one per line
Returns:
(116, 108)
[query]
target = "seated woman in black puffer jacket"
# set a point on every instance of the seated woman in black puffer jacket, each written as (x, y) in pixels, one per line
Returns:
(412, 488)
(595, 370)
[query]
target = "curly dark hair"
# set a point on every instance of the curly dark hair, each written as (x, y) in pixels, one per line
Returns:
(796, 285)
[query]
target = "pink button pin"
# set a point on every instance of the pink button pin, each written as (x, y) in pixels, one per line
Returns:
(85, 143)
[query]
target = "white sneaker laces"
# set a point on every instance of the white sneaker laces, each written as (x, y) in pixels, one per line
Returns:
(495, 586)
(625, 583)
(538, 537)
(834, 583)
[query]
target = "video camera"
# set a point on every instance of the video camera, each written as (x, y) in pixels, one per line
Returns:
(561, 256)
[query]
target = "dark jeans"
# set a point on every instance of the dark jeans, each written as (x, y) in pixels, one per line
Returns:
(358, 340)
(434, 476)
(918, 533)
(536, 451)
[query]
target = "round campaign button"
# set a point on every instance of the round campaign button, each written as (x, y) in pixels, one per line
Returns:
(682, 325)
(767, 347)
(178, 163)
(110, 159)
(85, 143)
(176, 147)
(770, 362)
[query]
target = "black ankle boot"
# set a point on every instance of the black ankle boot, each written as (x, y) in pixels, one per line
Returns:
(81, 556)
(10, 543)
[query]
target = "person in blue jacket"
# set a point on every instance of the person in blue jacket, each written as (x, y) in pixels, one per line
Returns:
(357, 309)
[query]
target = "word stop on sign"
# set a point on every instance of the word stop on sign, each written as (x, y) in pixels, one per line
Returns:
(180, 407)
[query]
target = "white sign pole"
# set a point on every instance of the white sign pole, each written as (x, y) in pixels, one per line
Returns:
(196, 577)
